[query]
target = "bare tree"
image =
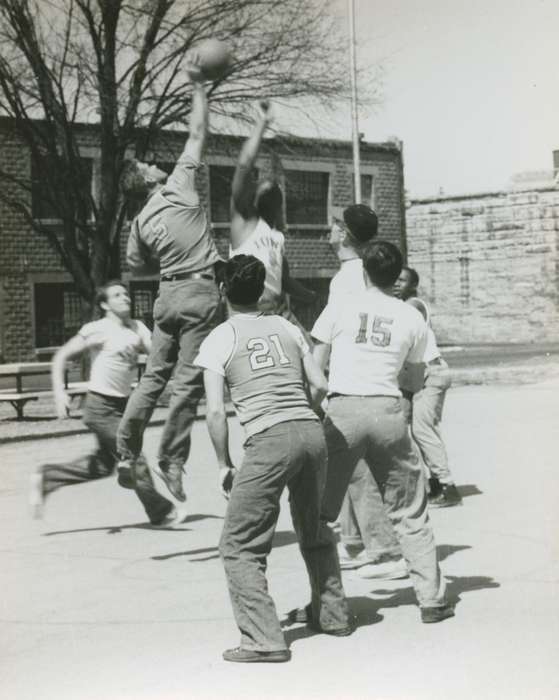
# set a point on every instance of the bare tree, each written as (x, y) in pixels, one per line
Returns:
(120, 65)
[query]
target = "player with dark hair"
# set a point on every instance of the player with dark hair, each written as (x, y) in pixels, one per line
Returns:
(267, 365)
(367, 339)
(427, 404)
(172, 233)
(114, 343)
(256, 216)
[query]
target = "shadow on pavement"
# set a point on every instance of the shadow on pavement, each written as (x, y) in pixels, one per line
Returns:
(281, 539)
(446, 550)
(115, 529)
(469, 490)
(456, 586)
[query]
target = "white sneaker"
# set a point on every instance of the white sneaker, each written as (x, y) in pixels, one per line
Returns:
(173, 517)
(36, 494)
(387, 570)
(350, 560)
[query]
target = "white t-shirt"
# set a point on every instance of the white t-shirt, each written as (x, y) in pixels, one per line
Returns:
(348, 280)
(268, 246)
(372, 335)
(114, 349)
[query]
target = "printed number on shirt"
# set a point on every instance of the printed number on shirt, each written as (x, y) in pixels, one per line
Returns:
(262, 355)
(158, 228)
(380, 332)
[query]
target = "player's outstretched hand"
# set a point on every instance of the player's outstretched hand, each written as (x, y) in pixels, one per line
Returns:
(62, 404)
(193, 67)
(265, 111)
(226, 477)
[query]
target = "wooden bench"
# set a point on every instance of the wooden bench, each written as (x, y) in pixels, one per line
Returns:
(21, 395)
(19, 399)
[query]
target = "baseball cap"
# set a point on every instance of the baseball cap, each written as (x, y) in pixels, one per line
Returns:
(361, 221)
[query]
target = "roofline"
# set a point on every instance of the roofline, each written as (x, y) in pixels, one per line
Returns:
(381, 147)
(481, 195)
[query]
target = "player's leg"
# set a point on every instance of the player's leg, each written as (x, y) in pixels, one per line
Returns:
(426, 430)
(197, 315)
(345, 433)
(158, 508)
(246, 540)
(101, 414)
(308, 464)
(366, 533)
(401, 480)
(143, 400)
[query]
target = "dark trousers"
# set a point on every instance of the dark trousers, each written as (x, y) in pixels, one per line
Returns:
(102, 415)
(291, 454)
(185, 311)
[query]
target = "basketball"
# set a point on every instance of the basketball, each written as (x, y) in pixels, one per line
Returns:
(214, 58)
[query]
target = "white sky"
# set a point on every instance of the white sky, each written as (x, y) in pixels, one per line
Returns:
(470, 86)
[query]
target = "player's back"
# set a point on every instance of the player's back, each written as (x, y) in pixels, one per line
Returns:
(372, 335)
(265, 372)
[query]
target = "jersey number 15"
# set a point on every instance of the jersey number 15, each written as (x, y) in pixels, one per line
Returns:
(380, 334)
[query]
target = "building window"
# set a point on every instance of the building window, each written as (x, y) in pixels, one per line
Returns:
(143, 295)
(48, 187)
(221, 177)
(306, 194)
(57, 313)
(367, 192)
(464, 281)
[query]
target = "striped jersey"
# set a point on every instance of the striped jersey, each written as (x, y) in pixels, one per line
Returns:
(261, 358)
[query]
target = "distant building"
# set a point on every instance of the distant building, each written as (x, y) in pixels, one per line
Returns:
(39, 307)
(489, 263)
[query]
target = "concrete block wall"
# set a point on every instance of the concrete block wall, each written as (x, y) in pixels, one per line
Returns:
(489, 265)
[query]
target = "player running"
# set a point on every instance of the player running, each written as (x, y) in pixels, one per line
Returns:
(114, 343)
(266, 364)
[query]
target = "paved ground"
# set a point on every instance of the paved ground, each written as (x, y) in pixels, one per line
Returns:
(96, 606)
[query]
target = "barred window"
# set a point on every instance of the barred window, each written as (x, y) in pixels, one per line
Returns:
(306, 194)
(221, 177)
(367, 192)
(143, 297)
(57, 313)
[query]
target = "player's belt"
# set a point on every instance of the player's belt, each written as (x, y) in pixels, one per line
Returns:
(188, 276)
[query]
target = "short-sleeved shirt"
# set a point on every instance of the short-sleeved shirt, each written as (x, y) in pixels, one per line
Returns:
(372, 335)
(268, 246)
(173, 227)
(348, 281)
(261, 358)
(114, 351)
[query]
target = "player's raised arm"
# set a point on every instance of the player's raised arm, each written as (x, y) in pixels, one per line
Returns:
(242, 191)
(74, 347)
(198, 127)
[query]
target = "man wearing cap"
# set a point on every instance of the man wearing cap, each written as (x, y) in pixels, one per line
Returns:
(368, 541)
(172, 233)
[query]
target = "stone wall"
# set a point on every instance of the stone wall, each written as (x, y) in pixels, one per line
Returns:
(489, 265)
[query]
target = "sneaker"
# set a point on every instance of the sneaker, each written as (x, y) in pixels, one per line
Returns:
(448, 496)
(435, 487)
(172, 518)
(251, 656)
(125, 474)
(37, 492)
(387, 570)
(304, 615)
(351, 557)
(172, 476)
(437, 614)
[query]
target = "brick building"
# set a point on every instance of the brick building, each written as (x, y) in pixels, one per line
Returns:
(39, 307)
(489, 263)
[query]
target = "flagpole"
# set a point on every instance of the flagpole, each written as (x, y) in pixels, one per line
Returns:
(354, 115)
